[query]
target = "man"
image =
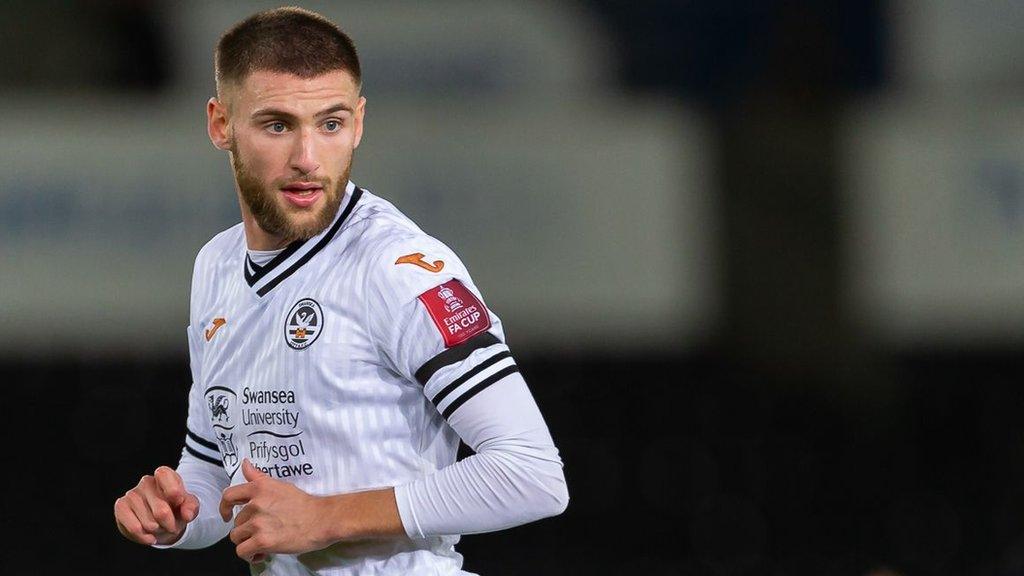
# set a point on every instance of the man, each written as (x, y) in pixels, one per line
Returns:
(338, 352)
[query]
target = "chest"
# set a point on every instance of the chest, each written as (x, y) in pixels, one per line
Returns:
(291, 376)
(306, 340)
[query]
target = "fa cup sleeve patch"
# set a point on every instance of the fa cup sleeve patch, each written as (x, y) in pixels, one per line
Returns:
(456, 311)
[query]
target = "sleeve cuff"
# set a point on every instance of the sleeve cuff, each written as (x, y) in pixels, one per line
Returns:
(179, 542)
(405, 512)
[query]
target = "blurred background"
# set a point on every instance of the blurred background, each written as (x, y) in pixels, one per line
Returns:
(762, 264)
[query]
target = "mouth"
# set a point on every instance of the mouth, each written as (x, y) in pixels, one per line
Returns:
(302, 194)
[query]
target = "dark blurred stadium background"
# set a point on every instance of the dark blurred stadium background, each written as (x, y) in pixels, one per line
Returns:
(762, 262)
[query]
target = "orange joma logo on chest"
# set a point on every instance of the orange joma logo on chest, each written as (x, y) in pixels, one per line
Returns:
(217, 323)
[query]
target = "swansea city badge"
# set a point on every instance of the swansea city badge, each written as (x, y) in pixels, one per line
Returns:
(304, 323)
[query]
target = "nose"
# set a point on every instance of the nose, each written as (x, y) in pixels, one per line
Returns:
(304, 154)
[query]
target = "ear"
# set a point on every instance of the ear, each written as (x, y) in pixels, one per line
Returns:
(217, 125)
(360, 111)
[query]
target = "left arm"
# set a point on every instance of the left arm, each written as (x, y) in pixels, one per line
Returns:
(515, 477)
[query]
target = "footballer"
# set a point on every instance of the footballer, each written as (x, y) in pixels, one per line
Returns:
(338, 353)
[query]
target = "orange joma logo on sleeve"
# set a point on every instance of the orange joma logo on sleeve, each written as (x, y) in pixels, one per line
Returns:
(416, 258)
(217, 323)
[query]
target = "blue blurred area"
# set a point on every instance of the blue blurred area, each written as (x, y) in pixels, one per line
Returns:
(715, 52)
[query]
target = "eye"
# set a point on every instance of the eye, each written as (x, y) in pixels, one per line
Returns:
(277, 127)
(332, 125)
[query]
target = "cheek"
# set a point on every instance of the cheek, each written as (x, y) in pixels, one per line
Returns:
(334, 154)
(262, 157)
(341, 149)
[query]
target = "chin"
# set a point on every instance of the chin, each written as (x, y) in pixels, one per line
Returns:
(305, 226)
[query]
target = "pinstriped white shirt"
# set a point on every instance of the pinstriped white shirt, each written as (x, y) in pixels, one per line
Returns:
(356, 360)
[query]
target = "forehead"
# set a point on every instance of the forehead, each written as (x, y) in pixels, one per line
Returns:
(264, 88)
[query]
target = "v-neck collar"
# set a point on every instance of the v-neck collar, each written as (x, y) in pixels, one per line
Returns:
(263, 279)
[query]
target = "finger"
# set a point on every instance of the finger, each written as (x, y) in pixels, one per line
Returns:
(251, 547)
(125, 519)
(258, 557)
(162, 512)
(242, 533)
(251, 472)
(245, 514)
(189, 508)
(128, 523)
(142, 512)
(171, 485)
(235, 495)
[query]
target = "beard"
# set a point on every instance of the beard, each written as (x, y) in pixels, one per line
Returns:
(271, 217)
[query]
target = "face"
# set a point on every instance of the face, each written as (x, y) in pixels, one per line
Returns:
(291, 142)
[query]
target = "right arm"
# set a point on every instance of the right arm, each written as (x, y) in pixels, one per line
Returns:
(179, 508)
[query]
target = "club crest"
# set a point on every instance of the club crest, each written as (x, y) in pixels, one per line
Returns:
(303, 324)
(221, 401)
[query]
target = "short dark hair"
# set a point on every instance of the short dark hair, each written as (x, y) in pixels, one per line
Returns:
(288, 39)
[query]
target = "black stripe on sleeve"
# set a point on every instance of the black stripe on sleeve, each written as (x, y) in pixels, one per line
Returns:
(455, 354)
(203, 457)
(199, 440)
(477, 389)
(440, 396)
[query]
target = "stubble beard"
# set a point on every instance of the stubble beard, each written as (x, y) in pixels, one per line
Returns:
(271, 217)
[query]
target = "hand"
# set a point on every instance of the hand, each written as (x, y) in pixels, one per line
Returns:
(277, 517)
(157, 510)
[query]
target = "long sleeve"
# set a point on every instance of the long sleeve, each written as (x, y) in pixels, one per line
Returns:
(200, 466)
(514, 477)
(206, 483)
(435, 329)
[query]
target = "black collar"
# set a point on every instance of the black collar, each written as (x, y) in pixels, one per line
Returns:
(264, 278)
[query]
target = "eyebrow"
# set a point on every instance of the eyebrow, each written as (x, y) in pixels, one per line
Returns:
(278, 113)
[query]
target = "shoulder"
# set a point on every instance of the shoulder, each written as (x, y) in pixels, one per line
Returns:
(398, 253)
(377, 220)
(216, 249)
(212, 259)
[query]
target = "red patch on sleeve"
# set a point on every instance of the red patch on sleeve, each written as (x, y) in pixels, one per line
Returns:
(456, 311)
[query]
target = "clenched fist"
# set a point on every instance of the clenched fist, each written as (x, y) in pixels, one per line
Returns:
(157, 510)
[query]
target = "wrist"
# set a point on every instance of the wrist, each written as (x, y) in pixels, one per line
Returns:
(355, 515)
(336, 526)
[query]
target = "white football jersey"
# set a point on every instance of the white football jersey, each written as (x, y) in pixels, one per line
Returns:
(336, 366)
